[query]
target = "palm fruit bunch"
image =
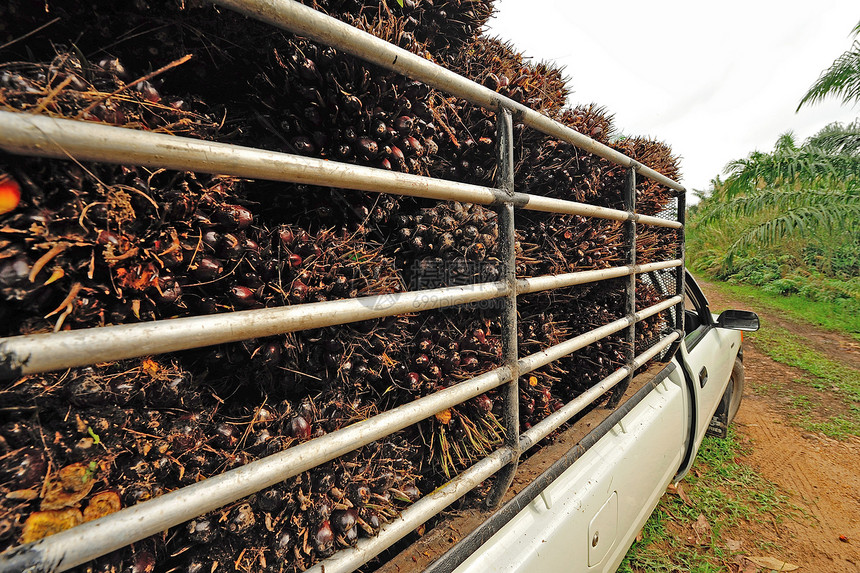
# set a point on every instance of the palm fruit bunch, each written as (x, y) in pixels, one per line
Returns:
(93, 244)
(436, 29)
(552, 318)
(130, 431)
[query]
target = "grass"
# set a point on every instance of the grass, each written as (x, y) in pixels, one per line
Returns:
(784, 346)
(842, 315)
(722, 490)
(820, 372)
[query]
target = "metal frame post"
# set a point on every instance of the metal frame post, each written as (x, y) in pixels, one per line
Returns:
(629, 197)
(682, 254)
(507, 258)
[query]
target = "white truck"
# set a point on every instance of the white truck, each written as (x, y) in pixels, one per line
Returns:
(579, 503)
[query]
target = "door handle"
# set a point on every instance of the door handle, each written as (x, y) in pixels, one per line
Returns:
(703, 376)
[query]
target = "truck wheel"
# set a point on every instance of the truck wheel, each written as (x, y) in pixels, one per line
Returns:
(736, 385)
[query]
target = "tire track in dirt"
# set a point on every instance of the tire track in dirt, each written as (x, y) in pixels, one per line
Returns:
(822, 475)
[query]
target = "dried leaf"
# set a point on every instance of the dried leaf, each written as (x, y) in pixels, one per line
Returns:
(444, 416)
(680, 492)
(102, 504)
(44, 523)
(24, 494)
(72, 484)
(733, 545)
(702, 527)
(772, 563)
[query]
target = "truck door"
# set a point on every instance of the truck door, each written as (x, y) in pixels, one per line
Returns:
(708, 352)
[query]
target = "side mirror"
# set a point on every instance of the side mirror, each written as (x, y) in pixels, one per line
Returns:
(738, 320)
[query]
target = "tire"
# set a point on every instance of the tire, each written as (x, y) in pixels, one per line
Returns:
(736, 385)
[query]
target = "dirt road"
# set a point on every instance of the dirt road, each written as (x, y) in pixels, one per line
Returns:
(821, 474)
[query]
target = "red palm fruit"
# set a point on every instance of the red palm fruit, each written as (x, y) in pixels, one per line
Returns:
(230, 246)
(421, 362)
(352, 104)
(242, 519)
(169, 290)
(344, 520)
(201, 531)
(412, 492)
(284, 541)
(303, 145)
(298, 291)
(148, 91)
(351, 536)
(233, 216)
(286, 236)
(469, 363)
(143, 562)
(323, 538)
(207, 269)
(299, 428)
(368, 147)
(226, 436)
(484, 403)
(295, 260)
(403, 124)
(242, 296)
(414, 381)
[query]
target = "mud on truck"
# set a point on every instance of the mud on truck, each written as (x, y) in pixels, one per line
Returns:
(332, 286)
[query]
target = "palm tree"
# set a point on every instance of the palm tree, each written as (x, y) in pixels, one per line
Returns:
(842, 78)
(794, 191)
(836, 138)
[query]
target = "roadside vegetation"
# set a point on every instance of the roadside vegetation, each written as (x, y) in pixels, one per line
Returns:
(787, 223)
(688, 530)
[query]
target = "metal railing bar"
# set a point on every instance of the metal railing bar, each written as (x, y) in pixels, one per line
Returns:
(629, 196)
(44, 136)
(87, 141)
(551, 205)
(548, 282)
(305, 21)
(508, 315)
(552, 422)
(348, 560)
(85, 542)
(680, 275)
(544, 357)
(29, 354)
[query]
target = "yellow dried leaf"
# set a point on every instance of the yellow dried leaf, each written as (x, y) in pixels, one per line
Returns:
(444, 416)
(150, 367)
(41, 524)
(71, 484)
(102, 504)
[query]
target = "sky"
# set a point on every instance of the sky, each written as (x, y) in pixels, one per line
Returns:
(714, 80)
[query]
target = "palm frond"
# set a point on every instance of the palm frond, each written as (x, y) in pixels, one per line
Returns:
(781, 199)
(801, 221)
(842, 78)
(836, 138)
(806, 165)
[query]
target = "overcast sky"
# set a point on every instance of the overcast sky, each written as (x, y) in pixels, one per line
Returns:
(714, 80)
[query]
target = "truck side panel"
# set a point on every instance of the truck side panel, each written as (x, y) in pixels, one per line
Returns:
(616, 484)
